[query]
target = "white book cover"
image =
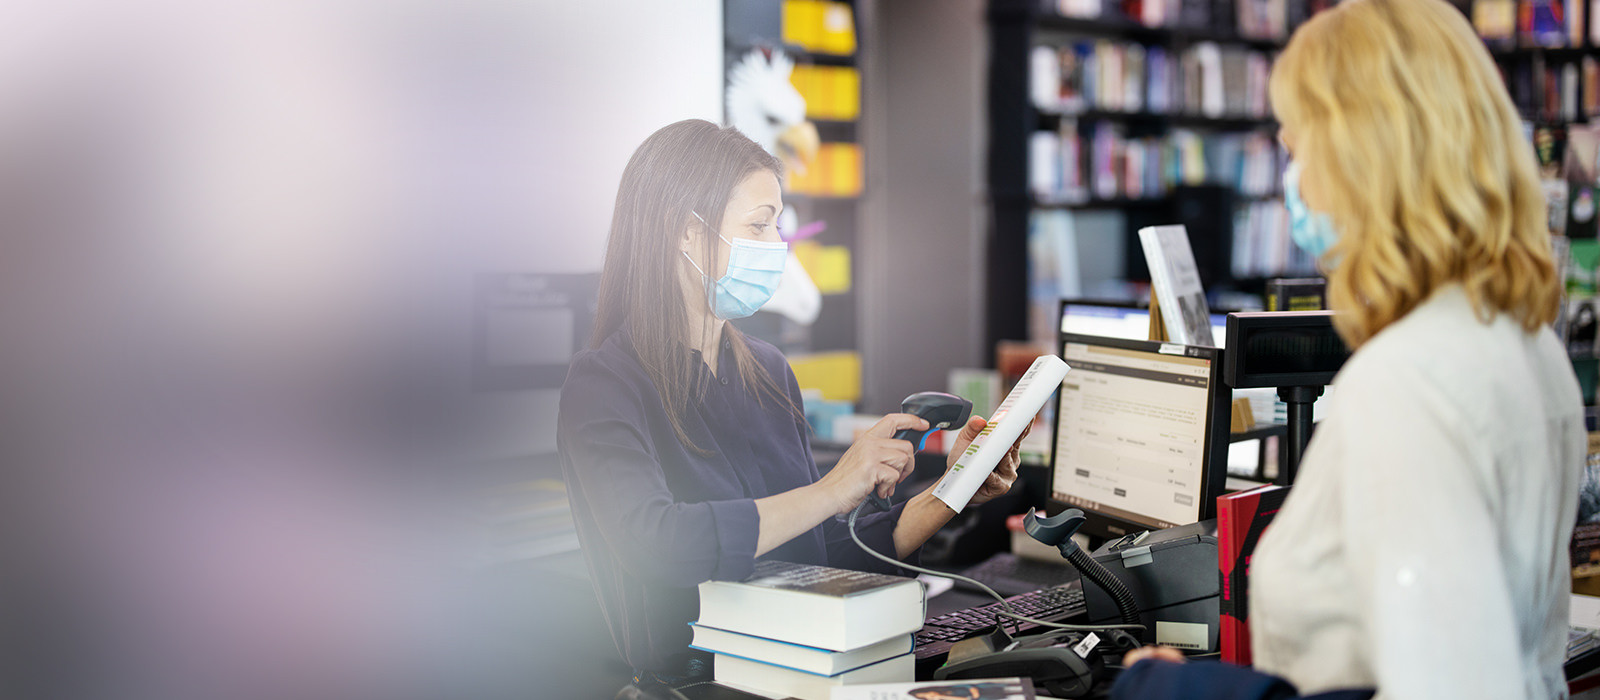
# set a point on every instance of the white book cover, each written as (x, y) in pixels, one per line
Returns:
(1212, 99)
(982, 688)
(967, 475)
(1044, 165)
(778, 682)
(1175, 282)
(1044, 78)
(824, 662)
(815, 606)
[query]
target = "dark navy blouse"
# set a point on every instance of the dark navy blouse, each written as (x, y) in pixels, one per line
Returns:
(655, 518)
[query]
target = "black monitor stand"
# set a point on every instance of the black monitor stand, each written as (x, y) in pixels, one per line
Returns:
(1299, 400)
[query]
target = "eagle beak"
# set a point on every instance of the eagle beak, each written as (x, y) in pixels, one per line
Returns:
(798, 145)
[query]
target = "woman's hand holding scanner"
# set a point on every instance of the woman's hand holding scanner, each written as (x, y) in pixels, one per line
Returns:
(942, 411)
(874, 464)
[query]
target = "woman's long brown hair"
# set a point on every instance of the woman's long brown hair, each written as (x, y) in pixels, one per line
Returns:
(689, 166)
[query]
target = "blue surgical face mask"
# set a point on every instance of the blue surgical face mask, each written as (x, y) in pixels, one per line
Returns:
(754, 268)
(1311, 230)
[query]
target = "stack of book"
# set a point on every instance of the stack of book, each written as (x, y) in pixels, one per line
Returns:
(1097, 160)
(1258, 19)
(836, 172)
(1262, 245)
(830, 92)
(1507, 24)
(1121, 76)
(820, 26)
(794, 630)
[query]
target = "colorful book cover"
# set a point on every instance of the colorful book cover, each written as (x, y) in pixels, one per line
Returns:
(1586, 535)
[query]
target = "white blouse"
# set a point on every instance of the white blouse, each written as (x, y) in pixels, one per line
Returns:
(1423, 548)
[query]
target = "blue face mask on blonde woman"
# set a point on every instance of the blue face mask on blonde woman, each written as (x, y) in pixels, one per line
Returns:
(1311, 230)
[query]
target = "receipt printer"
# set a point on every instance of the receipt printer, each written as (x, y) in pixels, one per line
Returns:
(1174, 577)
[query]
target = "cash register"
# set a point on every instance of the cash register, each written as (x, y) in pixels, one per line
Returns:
(1139, 438)
(1139, 443)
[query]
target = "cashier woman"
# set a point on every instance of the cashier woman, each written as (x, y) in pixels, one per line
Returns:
(1423, 549)
(683, 442)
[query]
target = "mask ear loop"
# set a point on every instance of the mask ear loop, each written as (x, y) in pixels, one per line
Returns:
(686, 253)
(710, 284)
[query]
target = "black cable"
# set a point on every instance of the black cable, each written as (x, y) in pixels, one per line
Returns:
(1006, 610)
(1113, 586)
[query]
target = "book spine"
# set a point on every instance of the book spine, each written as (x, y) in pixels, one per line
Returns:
(1227, 554)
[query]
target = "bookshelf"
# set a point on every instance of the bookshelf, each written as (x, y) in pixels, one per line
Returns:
(1548, 55)
(1153, 115)
(1123, 27)
(821, 39)
(1050, 119)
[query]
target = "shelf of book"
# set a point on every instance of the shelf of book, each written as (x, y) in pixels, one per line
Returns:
(832, 130)
(1135, 202)
(1146, 151)
(1557, 53)
(1182, 119)
(799, 55)
(1115, 203)
(1130, 29)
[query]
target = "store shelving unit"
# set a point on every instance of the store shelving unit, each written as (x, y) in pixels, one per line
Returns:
(758, 24)
(1015, 27)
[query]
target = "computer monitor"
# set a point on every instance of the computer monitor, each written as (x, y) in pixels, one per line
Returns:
(1139, 439)
(1121, 319)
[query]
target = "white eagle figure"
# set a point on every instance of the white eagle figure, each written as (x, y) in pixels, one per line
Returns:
(765, 106)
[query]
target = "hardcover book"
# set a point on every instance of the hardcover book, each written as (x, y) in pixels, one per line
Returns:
(814, 606)
(823, 662)
(1241, 520)
(1175, 285)
(1586, 535)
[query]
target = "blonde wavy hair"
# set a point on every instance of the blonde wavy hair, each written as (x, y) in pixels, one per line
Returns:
(1401, 122)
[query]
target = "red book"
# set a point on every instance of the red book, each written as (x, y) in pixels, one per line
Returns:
(1242, 517)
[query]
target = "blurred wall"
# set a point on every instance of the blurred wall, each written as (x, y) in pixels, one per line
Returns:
(922, 241)
(575, 88)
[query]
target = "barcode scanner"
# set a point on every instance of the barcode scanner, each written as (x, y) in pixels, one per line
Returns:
(1057, 531)
(942, 411)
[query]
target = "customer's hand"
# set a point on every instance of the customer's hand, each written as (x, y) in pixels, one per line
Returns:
(1158, 653)
(1004, 474)
(875, 463)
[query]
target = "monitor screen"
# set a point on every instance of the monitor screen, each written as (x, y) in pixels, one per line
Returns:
(1132, 433)
(1114, 320)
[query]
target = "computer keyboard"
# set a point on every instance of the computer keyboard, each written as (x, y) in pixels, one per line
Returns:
(933, 641)
(1009, 574)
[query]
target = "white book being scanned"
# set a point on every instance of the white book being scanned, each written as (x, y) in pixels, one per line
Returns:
(1175, 285)
(1016, 412)
(814, 606)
